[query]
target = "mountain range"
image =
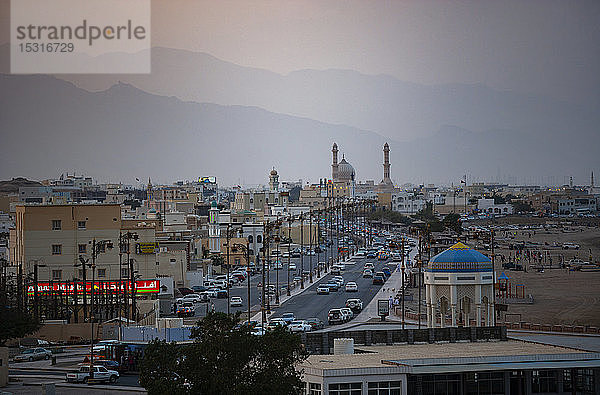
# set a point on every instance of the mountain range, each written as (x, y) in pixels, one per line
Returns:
(50, 126)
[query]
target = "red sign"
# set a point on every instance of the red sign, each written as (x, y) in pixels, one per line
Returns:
(68, 288)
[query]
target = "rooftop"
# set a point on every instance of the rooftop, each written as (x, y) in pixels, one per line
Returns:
(440, 355)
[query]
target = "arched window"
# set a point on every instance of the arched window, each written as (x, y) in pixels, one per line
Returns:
(250, 239)
(259, 239)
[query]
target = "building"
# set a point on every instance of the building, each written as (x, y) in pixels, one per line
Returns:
(459, 286)
(55, 236)
(386, 183)
(342, 175)
(453, 368)
(488, 206)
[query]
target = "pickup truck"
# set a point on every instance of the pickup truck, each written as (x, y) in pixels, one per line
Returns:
(101, 374)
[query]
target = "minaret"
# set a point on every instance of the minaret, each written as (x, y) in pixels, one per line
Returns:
(334, 164)
(273, 181)
(592, 180)
(386, 165)
(214, 229)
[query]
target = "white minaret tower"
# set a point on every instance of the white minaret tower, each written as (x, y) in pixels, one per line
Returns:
(334, 164)
(274, 181)
(214, 230)
(386, 165)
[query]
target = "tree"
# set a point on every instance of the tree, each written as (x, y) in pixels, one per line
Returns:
(225, 359)
(452, 221)
(15, 324)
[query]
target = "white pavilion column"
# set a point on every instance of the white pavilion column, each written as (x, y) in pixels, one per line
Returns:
(478, 304)
(430, 306)
(492, 314)
(453, 298)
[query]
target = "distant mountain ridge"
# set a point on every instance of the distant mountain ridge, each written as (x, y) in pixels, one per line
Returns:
(396, 109)
(49, 125)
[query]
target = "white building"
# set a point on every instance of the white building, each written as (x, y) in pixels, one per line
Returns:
(488, 206)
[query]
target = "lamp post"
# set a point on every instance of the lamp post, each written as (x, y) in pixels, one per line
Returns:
(310, 248)
(403, 268)
(246, 249)
(301, 251)
(97, 248)
(290, 219)
(277, 265)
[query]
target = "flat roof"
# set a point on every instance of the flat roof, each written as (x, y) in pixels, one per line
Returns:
(451, 357)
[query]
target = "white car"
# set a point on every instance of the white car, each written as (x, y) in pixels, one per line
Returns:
(299, 326)
(339, 280)
(347, 313)
(194, 298)
(235, 301)
(292, 266)
(351, 286)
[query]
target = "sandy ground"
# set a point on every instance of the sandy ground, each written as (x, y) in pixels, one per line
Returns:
(560, 296)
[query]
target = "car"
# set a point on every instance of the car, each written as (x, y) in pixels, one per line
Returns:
(339, 280)
(222, 294)
(336, 269)
(369, 265)
(100, 374)
(378, 279)
(347, 312)
(351, 286)
(211, 292)
(33, 354)
(367, 273)
(288, 317)
(110, 365)
(333, 286)
(335, 316)
(386, 271)
(257, 331)
(354, 304)
(235, 301)
(315, 323)
(299, 326)
(199, 289)
(194, 298)
(292, 266)
(184, 291)
(275, 323)
(370, 254)
(184, 312)
(323, 290)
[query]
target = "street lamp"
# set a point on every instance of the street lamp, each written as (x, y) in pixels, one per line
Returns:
(301, 251)
(290, 219)
(403, 268)
(310, 248)
(97, 248)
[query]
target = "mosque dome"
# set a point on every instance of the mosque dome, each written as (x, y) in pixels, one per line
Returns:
(273, 172)
(345, 171)
(460, 258)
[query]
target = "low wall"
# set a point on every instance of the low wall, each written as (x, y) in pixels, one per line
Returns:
(69, 333)
(322, 342)
(528, 326)
(3, 366)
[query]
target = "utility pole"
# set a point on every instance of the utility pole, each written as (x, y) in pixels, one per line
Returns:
(419, 279)
(289, 253)
(301, 251)
(403, 267)
(310, 250)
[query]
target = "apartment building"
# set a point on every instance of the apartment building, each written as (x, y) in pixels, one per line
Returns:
(53, 236)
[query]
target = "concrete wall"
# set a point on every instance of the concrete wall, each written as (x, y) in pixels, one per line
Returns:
(67, 332)
(3, 366)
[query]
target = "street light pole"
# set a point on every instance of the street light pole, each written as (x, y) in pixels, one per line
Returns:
(310, 248)
(289, 253)
(403, 268)
(301, 251)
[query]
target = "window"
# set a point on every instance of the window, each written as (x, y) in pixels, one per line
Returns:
(314, 389)
(259, 239)
(237, 261)
(543, 381)
(101, 273)
(80, 273)
(82, 248)
(488, 383)
(101, 248)
(345, 389)
(56, 274)
(124, 272)
(56, 249)
(385, 388)
(56, 224)
(81, 224)
(250, 239)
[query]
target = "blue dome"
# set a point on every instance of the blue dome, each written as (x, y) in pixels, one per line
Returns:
(460, 258)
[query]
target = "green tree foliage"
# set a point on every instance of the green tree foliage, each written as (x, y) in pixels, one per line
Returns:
(389, 215)
(452, 221)
(225, 359)
(15, 324)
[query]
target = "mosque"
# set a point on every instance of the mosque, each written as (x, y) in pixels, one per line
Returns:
(343, 175)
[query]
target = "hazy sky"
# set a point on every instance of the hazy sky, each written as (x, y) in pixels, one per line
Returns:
(538, 46)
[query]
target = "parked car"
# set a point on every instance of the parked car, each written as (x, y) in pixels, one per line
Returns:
(336, 269)
(335, 316)
(222, 294)
(323, 290)
(194, 298)
(184, 312)
(184, 291)
(299, 326)
(315, 323)
(235, 301)
(100, 374)
(276, 322)
(199, 288)
(354, 304)
(33, 354)
(351, 286)
(110, 365)
(369, 265)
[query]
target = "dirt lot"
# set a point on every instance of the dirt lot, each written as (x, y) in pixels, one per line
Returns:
(561, 296)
